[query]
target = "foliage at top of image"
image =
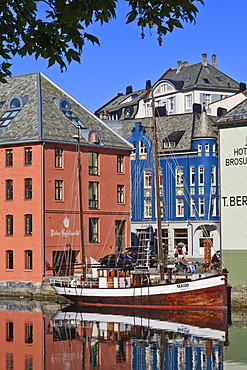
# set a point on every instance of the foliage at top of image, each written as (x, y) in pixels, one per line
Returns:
(56, 29)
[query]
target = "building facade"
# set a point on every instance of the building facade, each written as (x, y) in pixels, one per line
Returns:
(43, 133)
(188, 154)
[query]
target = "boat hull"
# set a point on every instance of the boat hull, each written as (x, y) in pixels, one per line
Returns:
(207, 293)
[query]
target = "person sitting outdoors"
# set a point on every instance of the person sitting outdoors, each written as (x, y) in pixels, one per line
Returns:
(215, 261)
(191, 267)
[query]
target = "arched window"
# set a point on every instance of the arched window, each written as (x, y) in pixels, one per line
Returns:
(199, 148)
(213, 175)
(142, 148)
(15, 103)
(207, 149)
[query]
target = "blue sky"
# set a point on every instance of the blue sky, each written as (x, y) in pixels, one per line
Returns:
(124, 59)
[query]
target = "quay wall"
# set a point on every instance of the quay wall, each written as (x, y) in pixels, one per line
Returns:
(44, 291)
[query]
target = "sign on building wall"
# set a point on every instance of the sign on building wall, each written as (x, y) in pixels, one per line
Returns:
(233, 179)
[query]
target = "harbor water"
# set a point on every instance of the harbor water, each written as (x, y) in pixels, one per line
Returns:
(51, 336)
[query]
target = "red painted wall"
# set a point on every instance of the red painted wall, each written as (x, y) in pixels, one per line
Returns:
(50, 232)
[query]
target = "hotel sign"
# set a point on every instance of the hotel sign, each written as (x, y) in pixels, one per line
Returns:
(233, 180)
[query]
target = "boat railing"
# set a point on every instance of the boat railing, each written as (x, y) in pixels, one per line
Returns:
(73, 281)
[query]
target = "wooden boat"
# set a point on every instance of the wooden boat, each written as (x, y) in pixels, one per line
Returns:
(119, 287)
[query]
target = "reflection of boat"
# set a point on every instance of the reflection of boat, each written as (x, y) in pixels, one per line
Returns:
(119, 287)
(193, 323)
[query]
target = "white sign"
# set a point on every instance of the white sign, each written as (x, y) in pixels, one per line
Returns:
(233, 180)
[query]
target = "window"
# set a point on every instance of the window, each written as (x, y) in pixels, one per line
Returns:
(28, 224)
(179, 176)
(120, 193)
(93, 195)
(171, 101)
(206, 80)
(192, 207)
(147, 208)
(142, 148)
(213, 207)
(192, 176)
(179, 207)
(65, 107)
(28, 188)
(9, 331)
(207, 99)
(28, 155)
(9, 260)
(28, 260)
(58, 158)
(201, 207)
(15, 103)
(213, 175)
(9, 189)
(206, 236)
(93, 230)
(28, 362)
(199, 149)
(147, 178)
(214, 150)
(120, 163)
(207, 150)
(188, 102)
(134, 148)
(93, 163)
(120, 236)
(58, 190)
(28, 332)
(180, 237)
(9, 225)
(9, 157)
(201, 176)
(9, 361)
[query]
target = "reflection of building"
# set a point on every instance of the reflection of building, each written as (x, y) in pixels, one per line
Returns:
(39, 194)
(188, 156)
(32, 340)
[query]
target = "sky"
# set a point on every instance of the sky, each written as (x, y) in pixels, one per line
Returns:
(124, 58)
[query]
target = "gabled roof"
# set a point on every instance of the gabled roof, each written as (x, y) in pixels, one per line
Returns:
(187, 123)
(237, 114)
(41, 119)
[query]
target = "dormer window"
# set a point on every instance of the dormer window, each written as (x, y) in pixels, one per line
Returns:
(15, 104)
(64, 105)
(94, 137)
(173, 139)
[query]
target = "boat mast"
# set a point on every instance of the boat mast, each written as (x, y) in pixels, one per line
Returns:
(157, 191)
(83, 261)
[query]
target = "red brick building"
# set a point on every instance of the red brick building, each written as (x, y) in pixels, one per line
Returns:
(39, 203)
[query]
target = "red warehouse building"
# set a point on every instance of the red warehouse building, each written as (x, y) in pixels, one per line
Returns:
(41, 127)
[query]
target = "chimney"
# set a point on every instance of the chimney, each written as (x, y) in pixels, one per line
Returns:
(204, 60)
(185, 63)
(242, 86)
(214, 61)
(179, 65)
(148, 84)
(129, 90)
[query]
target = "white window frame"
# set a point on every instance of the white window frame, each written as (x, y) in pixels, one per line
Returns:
(142, 148)
(201, 175)
(206, 148)
(199, 149)
(179, 207)
(147, 178)
(179, 176)
(192, 207)
(192, 175)
(213, 206)
(147, 208)
(188, 102)
(213, 175)
(201, 206)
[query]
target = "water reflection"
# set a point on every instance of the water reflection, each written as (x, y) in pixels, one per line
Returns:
(41, 335)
